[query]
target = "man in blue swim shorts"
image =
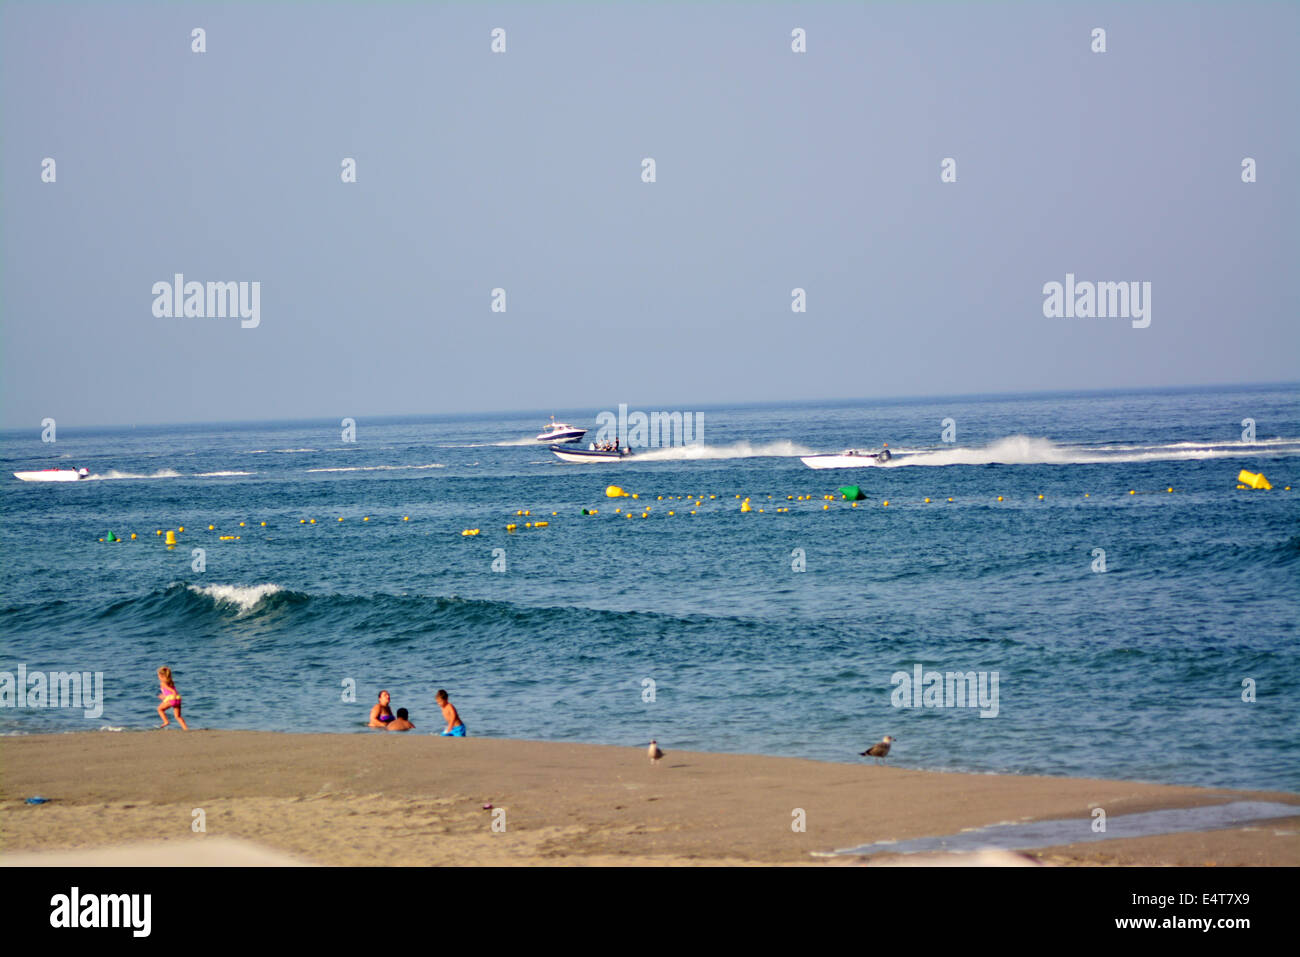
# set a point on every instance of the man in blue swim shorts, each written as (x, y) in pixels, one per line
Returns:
(455, 726)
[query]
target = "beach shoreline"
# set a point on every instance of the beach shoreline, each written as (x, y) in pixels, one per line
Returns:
(389, 798)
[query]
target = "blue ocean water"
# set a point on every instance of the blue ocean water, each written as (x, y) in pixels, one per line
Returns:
(1136, 672)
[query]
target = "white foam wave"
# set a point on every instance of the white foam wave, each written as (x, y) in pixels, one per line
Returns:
(216, 474)
(739, 450)
(380, 468)
(245, 597)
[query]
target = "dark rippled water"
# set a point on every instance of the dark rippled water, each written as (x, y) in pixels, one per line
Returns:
(1135, 673)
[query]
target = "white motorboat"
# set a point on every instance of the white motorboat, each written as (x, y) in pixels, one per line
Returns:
(590, 454)
(848, 459)
(560, 432)
(53, 475)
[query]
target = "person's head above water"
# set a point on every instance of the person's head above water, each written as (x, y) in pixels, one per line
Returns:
(402, 713)
(441, 695)
(384, 698)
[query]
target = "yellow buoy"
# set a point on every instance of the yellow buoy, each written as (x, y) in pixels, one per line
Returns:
(672, 513)
(1170, 489)
(825, 507)
(614, 491)
(340, 518)
(540, 524)
(180, 528)
(927, 500)
(1040, 498)
(133, 536)
(264, 524)
(171, 537)
(312, 521)
(1253, 479)
(406, 518)
(241, 524)
(999, 498)
(211, 527)
(886, 502)
(1132, 491)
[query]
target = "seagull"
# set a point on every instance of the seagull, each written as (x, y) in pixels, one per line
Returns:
(654, 751)
(878, 751)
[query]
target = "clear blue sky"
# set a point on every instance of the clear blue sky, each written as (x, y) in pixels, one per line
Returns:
(522, 170)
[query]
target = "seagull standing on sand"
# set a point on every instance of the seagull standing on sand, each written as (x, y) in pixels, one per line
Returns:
(655, 752)
(878, 751)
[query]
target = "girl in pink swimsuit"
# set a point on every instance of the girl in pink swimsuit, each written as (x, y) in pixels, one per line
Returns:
(171, 698)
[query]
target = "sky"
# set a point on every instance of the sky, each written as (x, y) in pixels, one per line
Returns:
(522, 170)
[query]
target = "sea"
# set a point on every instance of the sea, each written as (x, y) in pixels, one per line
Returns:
(1074, 582)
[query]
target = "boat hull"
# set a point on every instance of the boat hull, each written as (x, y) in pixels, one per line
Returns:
(50, 475)
(840, 461)
(582, 456)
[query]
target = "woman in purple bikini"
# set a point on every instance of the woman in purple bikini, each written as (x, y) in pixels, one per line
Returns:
(381, 713)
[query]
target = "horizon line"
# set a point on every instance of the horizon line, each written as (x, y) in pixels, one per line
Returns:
(738, 404)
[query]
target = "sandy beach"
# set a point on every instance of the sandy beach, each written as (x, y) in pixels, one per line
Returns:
(385, 798)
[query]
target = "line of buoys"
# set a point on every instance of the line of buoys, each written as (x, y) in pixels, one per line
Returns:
(470, 531)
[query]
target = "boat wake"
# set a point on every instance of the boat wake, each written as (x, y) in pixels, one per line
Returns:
(738, 450)
(1029, 450)
(114, 474)
(496, 445)
(380, 468)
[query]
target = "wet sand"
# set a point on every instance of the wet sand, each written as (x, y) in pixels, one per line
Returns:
(417, 799)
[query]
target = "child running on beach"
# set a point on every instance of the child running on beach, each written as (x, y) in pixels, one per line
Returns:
(455, 726)
(171, 698)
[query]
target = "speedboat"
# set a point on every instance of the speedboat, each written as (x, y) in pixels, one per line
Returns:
(848, 459)
(590, 454)
(53, 475)
(559, 432)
